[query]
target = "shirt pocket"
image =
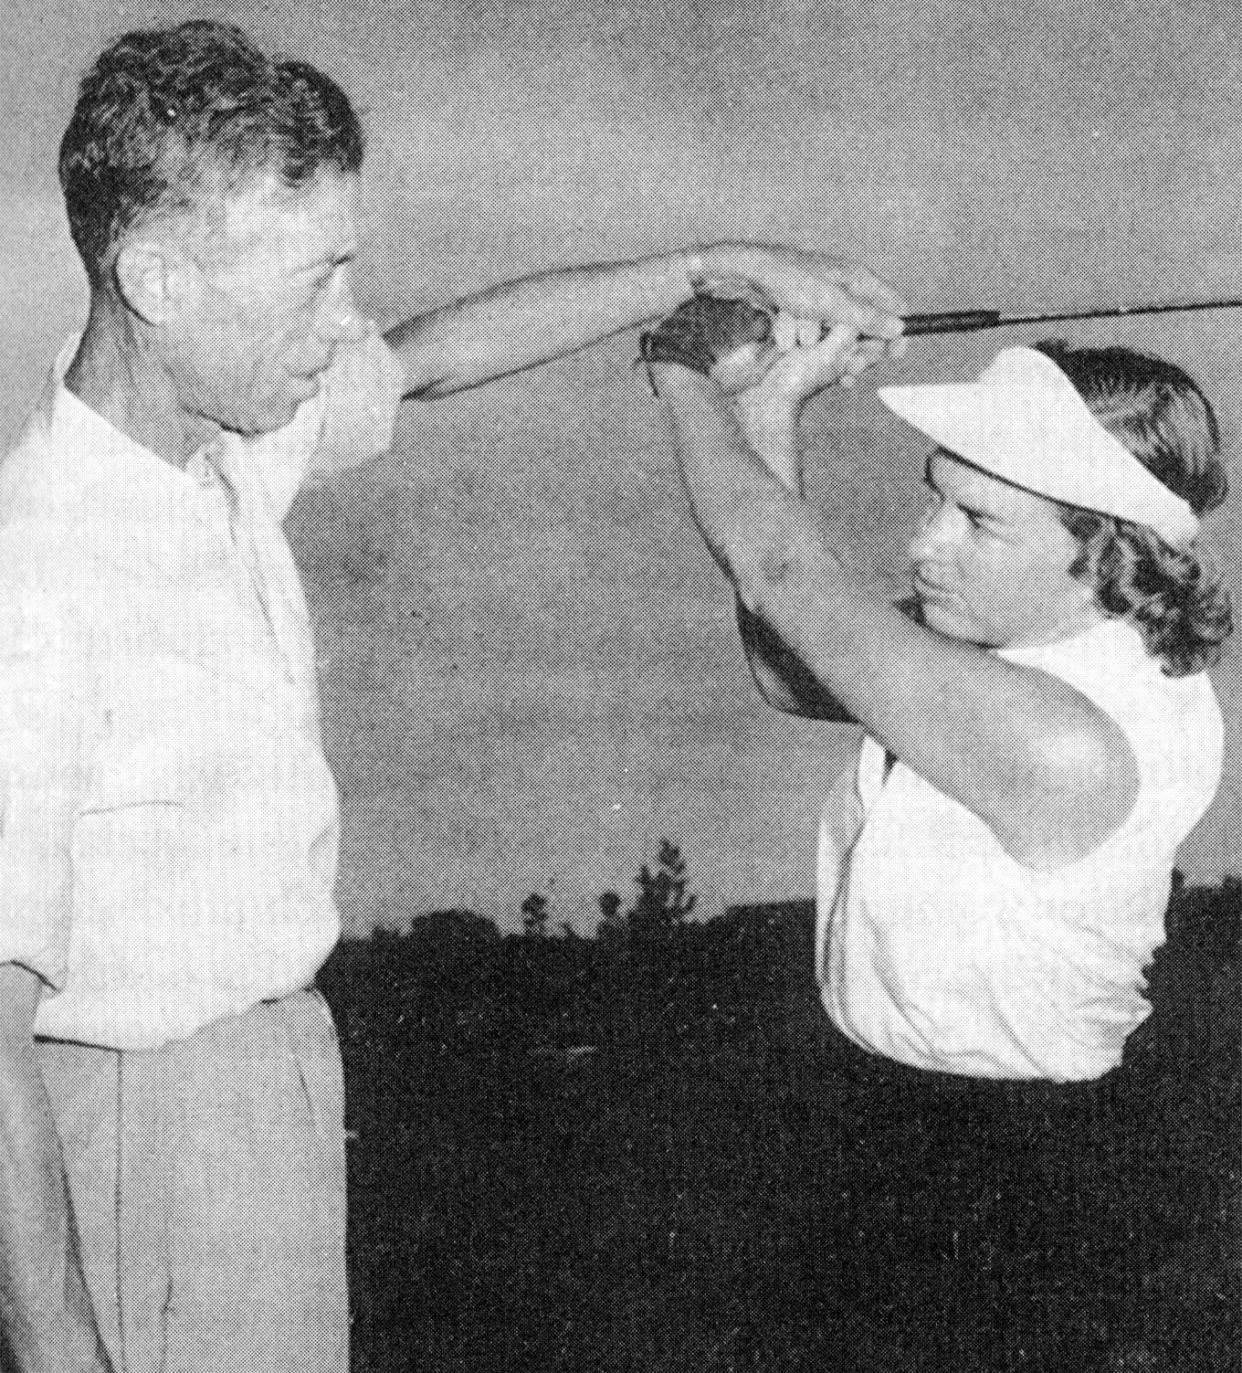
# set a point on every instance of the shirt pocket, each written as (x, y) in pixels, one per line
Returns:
(174, 736)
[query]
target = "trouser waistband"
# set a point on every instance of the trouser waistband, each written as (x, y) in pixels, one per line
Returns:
(879, 1071)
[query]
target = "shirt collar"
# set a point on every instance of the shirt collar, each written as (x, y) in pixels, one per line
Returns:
(147, 507)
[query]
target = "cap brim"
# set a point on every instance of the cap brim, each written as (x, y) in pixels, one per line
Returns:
(1025, 422)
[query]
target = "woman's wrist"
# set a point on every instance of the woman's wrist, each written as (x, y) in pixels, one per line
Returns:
(768, 416)
(771, 429)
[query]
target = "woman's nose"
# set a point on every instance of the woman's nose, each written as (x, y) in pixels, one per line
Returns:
(940, 530)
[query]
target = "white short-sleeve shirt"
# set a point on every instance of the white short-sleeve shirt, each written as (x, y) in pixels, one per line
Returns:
(168, 824)
(939, 950)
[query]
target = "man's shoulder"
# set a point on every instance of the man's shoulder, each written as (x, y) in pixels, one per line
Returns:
(44, 469)
(52, 542)
(46, 522)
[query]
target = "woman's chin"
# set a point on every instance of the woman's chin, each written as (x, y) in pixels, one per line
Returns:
(939, 615)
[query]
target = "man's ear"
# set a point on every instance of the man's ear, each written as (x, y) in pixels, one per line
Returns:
(152, 280)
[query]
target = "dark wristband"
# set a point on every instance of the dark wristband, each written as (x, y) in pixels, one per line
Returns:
(683, 350)
(654, 347)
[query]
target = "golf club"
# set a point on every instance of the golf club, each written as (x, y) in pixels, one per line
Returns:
(967, 321)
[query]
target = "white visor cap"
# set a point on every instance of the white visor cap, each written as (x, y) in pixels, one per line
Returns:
(1025, 422)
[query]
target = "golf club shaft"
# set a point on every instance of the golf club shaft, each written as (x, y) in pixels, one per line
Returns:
(967, 321)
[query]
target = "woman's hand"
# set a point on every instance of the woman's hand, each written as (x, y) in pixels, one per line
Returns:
(769, 397)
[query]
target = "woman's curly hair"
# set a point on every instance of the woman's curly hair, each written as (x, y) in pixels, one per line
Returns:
(1173, 596)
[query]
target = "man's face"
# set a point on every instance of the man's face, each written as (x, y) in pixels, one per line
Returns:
(270, 298)
(991, 562)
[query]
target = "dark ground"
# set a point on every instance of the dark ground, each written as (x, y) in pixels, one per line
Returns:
(586, 1154)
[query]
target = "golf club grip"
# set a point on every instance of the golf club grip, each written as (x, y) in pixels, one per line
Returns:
(954, 322)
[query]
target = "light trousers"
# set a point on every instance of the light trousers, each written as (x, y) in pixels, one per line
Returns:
(207, 1180)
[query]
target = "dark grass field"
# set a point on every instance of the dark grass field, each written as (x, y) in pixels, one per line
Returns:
(575, 1154)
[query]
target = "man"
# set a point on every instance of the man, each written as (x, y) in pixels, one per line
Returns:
(1039, 737)
(172, 1163)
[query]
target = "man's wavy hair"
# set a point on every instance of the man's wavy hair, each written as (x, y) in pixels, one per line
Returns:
(167, 117)
(1172, 595)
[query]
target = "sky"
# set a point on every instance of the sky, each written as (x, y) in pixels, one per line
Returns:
(529, 667)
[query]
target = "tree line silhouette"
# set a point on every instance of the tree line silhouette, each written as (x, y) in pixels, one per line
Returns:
(582, 1153)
